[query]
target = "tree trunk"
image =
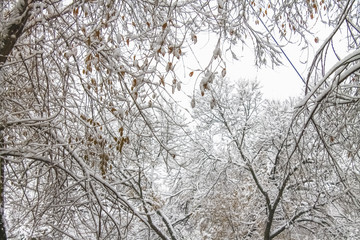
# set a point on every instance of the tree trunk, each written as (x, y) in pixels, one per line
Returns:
(270, 218)
(13, 31)
(2, 185)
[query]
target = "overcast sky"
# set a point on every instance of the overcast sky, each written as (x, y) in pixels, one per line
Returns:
(278, 83)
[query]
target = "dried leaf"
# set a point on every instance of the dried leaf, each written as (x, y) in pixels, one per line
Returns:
(162, 81)
(194, 38)
(76, 12)
(193, 103)
(223, 72)
(169, 66)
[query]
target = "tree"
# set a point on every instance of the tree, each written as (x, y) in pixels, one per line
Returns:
(73, 133)
(266, 175)
(86, 107)
(308, 158)
(329, 108)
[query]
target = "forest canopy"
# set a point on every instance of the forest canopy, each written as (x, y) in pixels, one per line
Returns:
(94, 144)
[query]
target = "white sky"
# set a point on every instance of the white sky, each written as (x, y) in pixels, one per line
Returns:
(279, 83)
